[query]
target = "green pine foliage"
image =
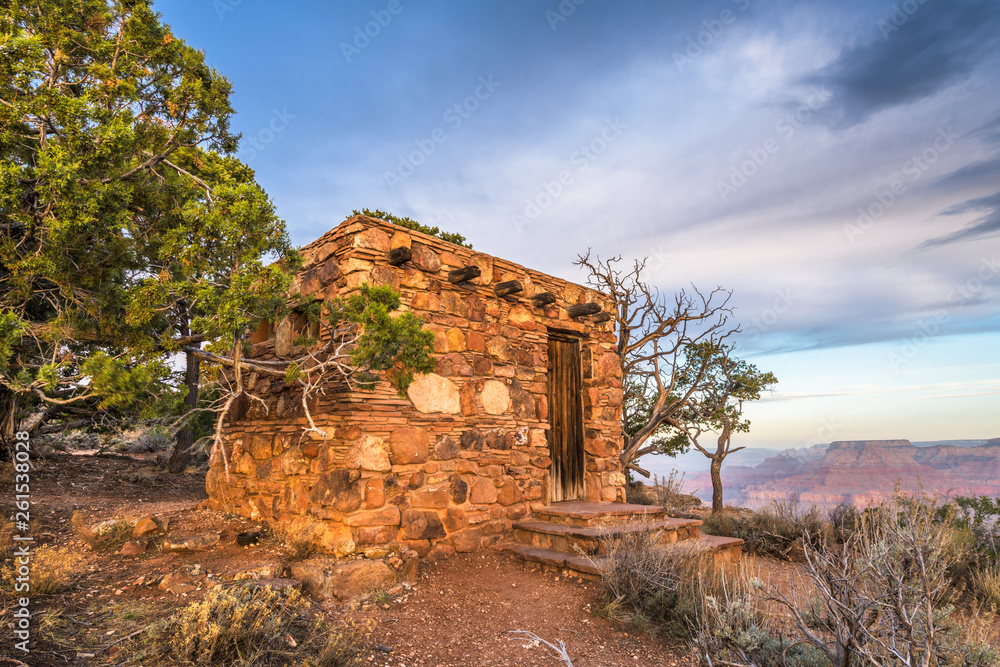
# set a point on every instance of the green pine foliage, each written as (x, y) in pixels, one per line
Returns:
(129, 231)
(450, 237)
(387, 342)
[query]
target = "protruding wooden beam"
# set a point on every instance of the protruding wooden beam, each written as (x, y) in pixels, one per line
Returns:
(399, 256)
(600, 318)
(508, 287)
(543, 299)
(581, 309)
(464, 274)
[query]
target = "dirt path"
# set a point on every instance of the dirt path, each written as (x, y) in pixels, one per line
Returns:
(462, 609)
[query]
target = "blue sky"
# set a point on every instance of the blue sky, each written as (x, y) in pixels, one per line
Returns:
(835, 164)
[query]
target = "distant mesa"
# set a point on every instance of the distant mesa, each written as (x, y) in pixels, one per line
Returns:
(863, 472)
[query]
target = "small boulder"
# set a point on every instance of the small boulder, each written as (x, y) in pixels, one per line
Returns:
(134, 548)
(176, 583)
(148, 525)
(325, 578)
(190, 542)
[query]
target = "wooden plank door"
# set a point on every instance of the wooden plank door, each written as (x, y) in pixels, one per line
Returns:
(565, 385)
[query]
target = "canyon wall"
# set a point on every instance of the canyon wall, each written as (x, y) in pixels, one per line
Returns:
(862, 472)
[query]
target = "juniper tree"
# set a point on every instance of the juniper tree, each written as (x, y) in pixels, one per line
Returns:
(129, 234)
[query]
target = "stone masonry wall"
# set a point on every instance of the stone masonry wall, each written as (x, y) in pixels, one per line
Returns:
(450, 467)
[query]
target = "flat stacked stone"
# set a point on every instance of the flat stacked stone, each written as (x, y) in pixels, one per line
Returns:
(453, 465)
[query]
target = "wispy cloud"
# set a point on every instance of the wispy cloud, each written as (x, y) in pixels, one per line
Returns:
(989, 386)
(907, 57)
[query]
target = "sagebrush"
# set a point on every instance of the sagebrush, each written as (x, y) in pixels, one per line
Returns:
(884, 598)
(249, 625)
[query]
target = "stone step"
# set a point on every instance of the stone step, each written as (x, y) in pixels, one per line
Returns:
(553, 560)
(588, 539)
(721, 549)
(582, 513)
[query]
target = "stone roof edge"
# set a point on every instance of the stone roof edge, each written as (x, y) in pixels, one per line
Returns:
(435, 243)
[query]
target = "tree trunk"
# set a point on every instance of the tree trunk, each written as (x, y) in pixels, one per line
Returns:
(8, 409)
(181, 455)
(716, 470)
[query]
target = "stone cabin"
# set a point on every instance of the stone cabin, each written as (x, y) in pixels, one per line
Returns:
(523, 408)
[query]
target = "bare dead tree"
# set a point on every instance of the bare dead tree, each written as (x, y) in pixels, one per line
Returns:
(656, 332)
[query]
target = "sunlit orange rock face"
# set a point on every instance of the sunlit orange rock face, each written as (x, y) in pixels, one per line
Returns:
(865, 472)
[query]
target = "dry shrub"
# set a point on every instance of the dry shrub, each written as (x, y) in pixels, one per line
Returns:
(883, 599)
(778, 530)
(986, 583)
(253, 626)
(52, 569)
(6, 535)
(664, 492)
(666, 586)
(843, 521)
(152, 440)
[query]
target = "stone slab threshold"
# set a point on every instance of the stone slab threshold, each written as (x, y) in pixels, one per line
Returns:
(583, 511)
(598, 531)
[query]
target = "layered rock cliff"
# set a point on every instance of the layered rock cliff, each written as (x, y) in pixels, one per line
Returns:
(864, 472)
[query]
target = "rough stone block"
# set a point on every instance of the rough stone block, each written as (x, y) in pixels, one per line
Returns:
(426, 301)
(456, 340)
(372, 238)
(483, 491)
(325, 578)
(466, 540)
(433, 393)
(445, 448)
(509, 493)
(421, 525)
(424, 258)
(369, 453)
(431, 498)
(475, 342)
(367, 535)
(521, 318)
(340, 489)
(459, 490)
(387, 516)
(260, 446)
(495, 397)
(455, 519)
(500, 349)
(409, 445)
(374, 493)
(400, 240)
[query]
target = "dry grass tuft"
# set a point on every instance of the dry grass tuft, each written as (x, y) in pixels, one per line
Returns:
(105, 536)
(253, 626)
(986, 583)
(299, 540)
